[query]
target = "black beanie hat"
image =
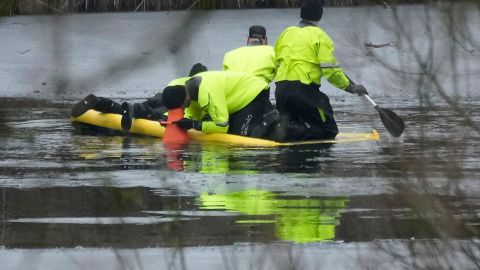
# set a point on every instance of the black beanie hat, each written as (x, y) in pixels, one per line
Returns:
(312, 10)
(197, 68)
(257, 31)
(174, 96)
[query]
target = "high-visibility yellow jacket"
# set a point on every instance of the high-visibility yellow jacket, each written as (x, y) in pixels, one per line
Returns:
(306, 54)
(178, 81)
(220, 94)
(258, 60)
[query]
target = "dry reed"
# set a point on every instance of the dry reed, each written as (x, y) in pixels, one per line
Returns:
(26, 7)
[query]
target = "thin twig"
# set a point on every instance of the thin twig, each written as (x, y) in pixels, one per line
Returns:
(370, 44)
(193, 5)
(143, 1)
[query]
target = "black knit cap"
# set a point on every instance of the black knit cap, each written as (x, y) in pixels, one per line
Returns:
(197, 68)
(312, 10)
(257, 31)
(174, 96)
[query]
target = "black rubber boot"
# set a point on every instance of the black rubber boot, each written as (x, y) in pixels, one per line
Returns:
(287, 131)
(296, 131)
(139, 111)
(106, 105)
(154, 102)
(157, 114)
(127, 116)
(146, 112)
(270, 120)
(88, 103)
(314, 132)
(318, 133)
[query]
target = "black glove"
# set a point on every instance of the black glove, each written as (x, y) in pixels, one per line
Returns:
(187, 124)
(356, 89)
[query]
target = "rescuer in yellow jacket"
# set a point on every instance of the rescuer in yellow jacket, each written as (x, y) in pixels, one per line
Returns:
(234, 101)
(257, 58)
(304, 54)
(154, 108)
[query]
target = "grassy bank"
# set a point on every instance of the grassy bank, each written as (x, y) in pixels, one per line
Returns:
(27, 7)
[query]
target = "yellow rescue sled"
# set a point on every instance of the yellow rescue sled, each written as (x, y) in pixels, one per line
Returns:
(153, 128)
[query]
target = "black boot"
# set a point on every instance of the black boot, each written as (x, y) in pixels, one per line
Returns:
(266, 127)
(315, 132)
(287, 131)
(140, 110)
(88, 103)
(154, 102)
(127, 116)
(157, 114)
(106, 105)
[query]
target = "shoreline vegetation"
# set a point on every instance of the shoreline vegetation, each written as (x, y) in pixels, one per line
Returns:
(38, 7)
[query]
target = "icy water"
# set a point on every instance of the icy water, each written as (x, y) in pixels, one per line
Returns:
(70, 200)
(62, 189)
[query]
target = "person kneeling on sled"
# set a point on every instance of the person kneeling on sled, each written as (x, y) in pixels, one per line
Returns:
(304, 54)
(235, 103)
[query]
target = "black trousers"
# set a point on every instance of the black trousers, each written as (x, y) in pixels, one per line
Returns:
(152, 109)
(105, 105)
(155, 102)
(250, 118)
(304, 105)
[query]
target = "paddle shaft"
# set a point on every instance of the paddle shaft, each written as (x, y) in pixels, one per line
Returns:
(371, 100)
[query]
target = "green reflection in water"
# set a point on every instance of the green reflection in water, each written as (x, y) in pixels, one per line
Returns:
(216, 159)
(300, 220)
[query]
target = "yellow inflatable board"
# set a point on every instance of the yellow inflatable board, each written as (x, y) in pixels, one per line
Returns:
(153, 128)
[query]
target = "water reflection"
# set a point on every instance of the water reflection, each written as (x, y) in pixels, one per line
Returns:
(211, 158)
(127, 152)
(204, 157)
(301, 220)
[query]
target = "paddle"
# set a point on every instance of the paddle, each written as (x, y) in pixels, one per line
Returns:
(392, 122)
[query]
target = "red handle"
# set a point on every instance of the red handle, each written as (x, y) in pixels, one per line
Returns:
(173, 133)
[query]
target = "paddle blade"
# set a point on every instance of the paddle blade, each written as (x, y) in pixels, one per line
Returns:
(392, 122)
